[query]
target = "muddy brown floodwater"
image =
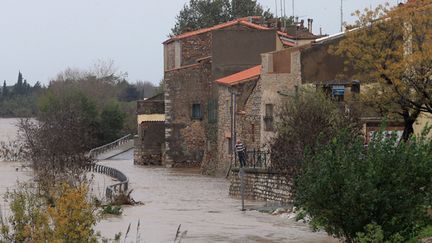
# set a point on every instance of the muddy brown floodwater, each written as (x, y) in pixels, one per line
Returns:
(171, 197)
(200, 204)
(10, 172)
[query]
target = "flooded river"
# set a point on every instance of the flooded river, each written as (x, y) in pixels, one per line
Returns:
(201, 205)
(174, 196)
(10, 172)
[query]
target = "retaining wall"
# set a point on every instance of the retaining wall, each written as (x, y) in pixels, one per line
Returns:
(262, 184)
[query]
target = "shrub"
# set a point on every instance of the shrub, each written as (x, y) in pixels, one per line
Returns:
(344, 187)
(112, 209)
(306, 121)
(68, 217)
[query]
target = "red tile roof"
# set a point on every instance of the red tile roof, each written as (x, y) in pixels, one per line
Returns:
(241, 77)
(242, 21)
(288, 43)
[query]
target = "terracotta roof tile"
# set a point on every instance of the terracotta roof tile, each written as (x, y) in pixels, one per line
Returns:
(242, 21)
(240, 77)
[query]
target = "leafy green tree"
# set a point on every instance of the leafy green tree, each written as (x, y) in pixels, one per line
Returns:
(67, 217)
(306, 121)
(244, 8)
(19, 86)
(37, 87)
(66, 129)
(5, 90)
(200, 14)
(112, 120)
(205, 13)
(345, 187)
(396, 54)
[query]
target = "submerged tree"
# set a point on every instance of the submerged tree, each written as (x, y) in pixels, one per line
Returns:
(393, 48)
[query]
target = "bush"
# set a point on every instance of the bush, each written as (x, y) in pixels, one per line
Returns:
(305, 121)
(68, 217)
(344, 187)
(112, 209)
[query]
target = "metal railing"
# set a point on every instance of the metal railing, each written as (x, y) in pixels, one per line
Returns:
(259, 159)
(111, 190)
(104, 148)
(123, 181)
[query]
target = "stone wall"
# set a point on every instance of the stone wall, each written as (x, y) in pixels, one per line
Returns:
(149, 144)
(248, 120)
(195, 48)
(154, 105)
(262, 185)
(185, 135)
(278, 86)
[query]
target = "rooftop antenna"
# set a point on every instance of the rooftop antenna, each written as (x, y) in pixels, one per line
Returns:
(281, 8)
(276, 8)
(293, 4)
(342, 17)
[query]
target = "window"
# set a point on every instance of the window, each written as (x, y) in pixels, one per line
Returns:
(253, 132)
(338, 92)
(355, 88)
(268, 118)
(212, 111)
(196, 111)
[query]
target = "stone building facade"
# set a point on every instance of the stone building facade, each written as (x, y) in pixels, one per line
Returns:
(258, 93)
(282, 74)
(149, 145)
(193, 61)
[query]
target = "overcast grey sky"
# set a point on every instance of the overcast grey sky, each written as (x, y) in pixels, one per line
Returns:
(43, 37)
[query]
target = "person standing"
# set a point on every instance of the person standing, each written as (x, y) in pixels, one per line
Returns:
(241, 153)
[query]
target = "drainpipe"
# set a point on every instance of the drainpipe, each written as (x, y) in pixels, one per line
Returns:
(233, 94)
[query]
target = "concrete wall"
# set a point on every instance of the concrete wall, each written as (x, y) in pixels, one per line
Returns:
(236, 50)
(263, 185)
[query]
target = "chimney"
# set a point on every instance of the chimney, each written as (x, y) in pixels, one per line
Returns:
(310, 21)
(302, 23)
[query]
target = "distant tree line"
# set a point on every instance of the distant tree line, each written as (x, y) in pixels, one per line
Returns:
(20, 99)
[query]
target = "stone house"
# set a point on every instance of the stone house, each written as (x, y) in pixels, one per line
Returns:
(193, 61)
(192, 104)
(150, 143)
